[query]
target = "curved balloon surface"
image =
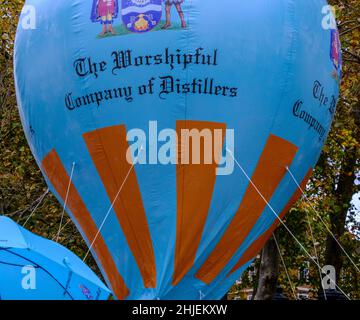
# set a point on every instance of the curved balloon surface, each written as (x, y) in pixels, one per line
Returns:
(34, 268)
(168, 128)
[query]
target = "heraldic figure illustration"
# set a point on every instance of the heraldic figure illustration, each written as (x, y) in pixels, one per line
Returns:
(105, 11)
(177, 4)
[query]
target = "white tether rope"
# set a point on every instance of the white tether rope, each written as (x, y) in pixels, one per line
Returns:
(277, 216)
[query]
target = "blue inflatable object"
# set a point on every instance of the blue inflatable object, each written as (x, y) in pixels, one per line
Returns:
(34, 268)
(171, 127)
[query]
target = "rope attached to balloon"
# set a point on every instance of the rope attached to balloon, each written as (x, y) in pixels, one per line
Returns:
(281, 221)
(322, 220)
(315, 251)
(285, 268)
(112, 204)
(41, 199)
(65, 202)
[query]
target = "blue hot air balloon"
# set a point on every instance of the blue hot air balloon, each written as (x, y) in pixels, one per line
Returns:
(170, 129)
(34, 268)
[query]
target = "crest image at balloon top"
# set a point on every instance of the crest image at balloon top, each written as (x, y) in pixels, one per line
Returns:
(172, 129)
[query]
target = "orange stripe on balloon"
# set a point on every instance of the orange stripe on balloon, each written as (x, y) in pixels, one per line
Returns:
(196, 175)
(108, 148)
(270, 170)
(59, 178)
(258, 244)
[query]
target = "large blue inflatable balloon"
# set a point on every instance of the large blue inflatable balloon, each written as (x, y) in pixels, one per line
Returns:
(169, 129)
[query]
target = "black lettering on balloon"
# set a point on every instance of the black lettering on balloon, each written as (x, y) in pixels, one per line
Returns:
(306, 117)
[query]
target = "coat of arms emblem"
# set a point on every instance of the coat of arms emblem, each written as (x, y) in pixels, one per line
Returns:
(141, 15)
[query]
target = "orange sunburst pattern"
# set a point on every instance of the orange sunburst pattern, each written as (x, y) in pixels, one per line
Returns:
(194, 185)
(108, 148)
(270, 170)
(195, 182)
(56, 173)
(259, 243)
